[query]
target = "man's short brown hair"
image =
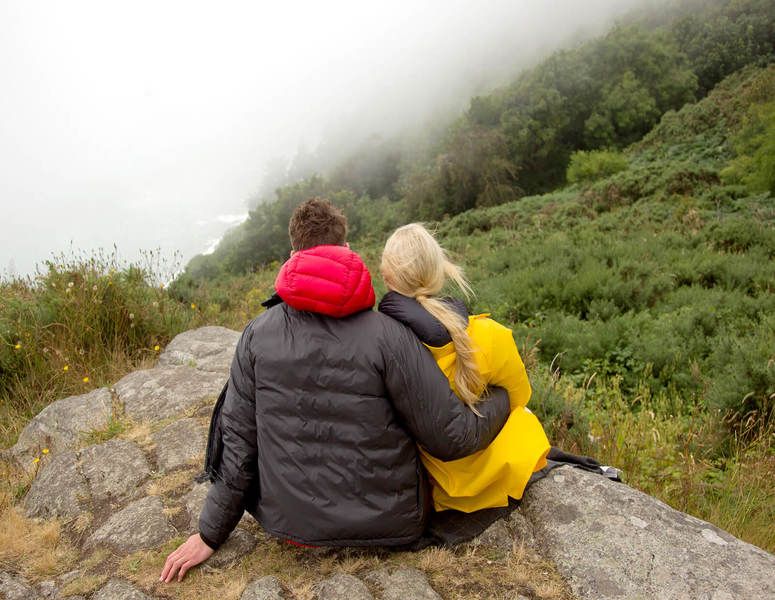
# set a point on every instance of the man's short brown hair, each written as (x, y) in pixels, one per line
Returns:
(316, 222)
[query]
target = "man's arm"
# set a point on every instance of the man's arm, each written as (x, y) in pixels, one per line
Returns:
(437, 419)
(225, 501)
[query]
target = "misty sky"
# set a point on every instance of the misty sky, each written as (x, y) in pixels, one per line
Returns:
(148, 124)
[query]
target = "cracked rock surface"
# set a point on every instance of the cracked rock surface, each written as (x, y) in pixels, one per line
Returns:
(67, 484)
(612, 541)
(403, 583)
(167, 392)
(239, 544)
(265, 588)
(117, 589)
(606, 539)
(62, 424)
(207, 348)
(342, 585)
(15, 588)
(142, 524)
(179, 444)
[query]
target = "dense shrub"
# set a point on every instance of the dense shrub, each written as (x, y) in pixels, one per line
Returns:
(754, 164)
(595, 164)
(77, 324)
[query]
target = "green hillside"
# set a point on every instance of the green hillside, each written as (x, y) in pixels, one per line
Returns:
(661, 273)
(518, 140)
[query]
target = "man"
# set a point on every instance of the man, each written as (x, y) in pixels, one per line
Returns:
(325, 404)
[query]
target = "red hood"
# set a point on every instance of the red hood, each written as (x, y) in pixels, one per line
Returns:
(330, 280)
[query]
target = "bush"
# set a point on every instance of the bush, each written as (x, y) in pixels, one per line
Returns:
(80, 323)
(743, 369)
(594, 165)
(754, 165)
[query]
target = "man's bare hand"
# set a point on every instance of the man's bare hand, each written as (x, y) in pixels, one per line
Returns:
(189, 554)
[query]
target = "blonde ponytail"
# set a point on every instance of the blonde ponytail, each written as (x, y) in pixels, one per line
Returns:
(415, 265)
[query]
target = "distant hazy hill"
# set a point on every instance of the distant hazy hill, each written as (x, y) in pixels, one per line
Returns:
(517, 141)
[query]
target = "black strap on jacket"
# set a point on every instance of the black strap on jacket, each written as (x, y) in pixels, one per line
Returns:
(214, 442)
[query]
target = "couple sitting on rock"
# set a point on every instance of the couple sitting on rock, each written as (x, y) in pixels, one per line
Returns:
(332, 410)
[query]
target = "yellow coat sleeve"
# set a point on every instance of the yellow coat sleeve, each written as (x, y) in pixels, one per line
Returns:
(500, 363)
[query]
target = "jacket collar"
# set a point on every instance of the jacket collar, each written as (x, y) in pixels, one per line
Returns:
(329, 280)
(411, 313)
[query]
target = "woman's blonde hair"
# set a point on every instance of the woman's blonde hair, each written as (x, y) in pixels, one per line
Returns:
(415, 265)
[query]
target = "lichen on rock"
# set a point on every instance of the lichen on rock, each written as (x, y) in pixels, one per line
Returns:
(208, 348)
(179, 444)
(612, 541)
(140, 525)
(166, 392)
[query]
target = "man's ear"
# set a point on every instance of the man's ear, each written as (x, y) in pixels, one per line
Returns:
(347, 245)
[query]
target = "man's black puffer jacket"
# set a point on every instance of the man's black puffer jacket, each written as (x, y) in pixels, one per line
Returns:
(321, 415)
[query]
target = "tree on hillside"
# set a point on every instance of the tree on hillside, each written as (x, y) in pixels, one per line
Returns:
(721, 41)
(473, 171)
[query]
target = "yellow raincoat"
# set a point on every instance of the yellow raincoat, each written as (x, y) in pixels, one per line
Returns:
(487, 478)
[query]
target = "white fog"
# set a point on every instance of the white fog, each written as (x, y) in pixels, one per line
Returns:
(148, 124)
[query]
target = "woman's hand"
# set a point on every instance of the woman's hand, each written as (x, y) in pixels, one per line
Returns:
(189, 554)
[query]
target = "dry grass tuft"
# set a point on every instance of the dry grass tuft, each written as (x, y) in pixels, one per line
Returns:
(172, 511)
(139, 433)
(303, 590)
(35, 549)
(96, 558)
(172, 483)
(82, 522)
(468, 572)
(144, 568)
(84, 585)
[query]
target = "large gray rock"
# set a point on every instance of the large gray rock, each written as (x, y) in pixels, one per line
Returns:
(113, 470)
(206, 348)
(240, 544)
(141, 525)
(71, 482)
(179, 444)
(496, 536)
(611, 541)
(13, 587)
(164, 392)
(62, 424)
(118, 589)
(58, 490)
(521, 528)
(266, 588)
(342, 585)
(403, 583)
(194, 501)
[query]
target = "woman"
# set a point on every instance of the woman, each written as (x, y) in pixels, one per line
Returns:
(473, 352)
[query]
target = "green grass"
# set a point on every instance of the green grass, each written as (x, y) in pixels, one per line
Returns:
(114, 428)
(80, 323)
